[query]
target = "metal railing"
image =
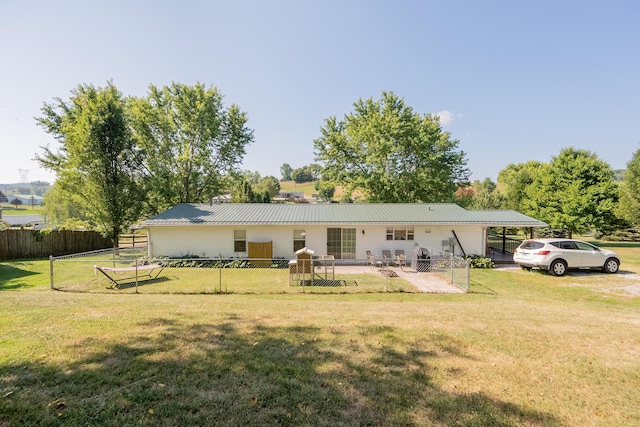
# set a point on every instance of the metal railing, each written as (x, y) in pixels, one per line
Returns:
(502, 244)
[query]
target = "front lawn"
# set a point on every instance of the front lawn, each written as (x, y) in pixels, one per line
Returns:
(523, 348)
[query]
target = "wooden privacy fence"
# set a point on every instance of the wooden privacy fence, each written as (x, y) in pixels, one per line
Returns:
(17, 244)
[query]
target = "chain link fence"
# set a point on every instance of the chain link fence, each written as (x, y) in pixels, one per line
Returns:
(131, 271)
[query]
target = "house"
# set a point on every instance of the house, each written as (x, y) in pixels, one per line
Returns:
(290, 195)
(346, 231)
(27, 199)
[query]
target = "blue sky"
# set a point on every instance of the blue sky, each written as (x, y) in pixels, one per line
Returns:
(513, 81)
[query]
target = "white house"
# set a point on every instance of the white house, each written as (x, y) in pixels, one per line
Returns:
(345, 231)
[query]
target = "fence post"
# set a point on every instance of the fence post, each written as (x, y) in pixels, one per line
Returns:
(51, 272)
(468, 277)
(220, 277)
(452, 267)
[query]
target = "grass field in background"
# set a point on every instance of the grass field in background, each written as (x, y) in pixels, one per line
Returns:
(523, 348)
(307, 188)
(8, 209)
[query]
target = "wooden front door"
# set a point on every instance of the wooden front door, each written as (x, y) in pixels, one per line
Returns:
(262, 251)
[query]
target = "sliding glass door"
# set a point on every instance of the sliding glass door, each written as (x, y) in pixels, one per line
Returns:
(341, 243)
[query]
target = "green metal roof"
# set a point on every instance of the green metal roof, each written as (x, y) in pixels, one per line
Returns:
(336, 214)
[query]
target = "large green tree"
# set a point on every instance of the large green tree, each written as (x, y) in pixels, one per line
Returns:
(286, 170)
(487, 196)
(61, 208)
(190, 140)
(242, 192)
(325, 189)
(97, 163)
(515, 179)
(385, 152)
(629, 206)
(575, 191)
(268, 184)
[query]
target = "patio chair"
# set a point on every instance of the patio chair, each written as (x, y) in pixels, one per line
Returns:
(387, 257)
(372, 260)
(400, 258)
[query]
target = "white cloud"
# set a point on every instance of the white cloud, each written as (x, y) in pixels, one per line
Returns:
(445, 116)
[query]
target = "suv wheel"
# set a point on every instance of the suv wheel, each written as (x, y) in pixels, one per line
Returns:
(611, 266)
(558, 267)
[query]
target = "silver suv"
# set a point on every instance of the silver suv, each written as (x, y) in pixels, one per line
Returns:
(558, 255)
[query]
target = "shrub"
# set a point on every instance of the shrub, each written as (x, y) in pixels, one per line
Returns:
(626, 235)
(478, 261)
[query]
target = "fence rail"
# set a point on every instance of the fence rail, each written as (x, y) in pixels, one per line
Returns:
(502, 244)
(132, 240)
(19, 244)
(131, 271)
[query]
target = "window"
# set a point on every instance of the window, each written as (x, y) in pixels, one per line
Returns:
(565, 245)
(399, 233)
(531, 244)
(586, 246)
(299, 239)
(239, 240)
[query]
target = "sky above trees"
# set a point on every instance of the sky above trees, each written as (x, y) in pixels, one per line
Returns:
(512, 81)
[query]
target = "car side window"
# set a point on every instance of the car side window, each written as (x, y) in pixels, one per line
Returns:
(585, 246)
(565, 245)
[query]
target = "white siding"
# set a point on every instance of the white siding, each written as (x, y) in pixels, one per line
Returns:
(217, 241)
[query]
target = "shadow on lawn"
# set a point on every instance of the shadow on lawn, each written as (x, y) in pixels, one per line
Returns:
(239, 374)
(8, 273)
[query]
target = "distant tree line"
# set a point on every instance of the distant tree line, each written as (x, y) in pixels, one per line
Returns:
(576, 191)
(121, 159)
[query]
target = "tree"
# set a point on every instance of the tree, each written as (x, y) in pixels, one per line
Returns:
(190, 141)
(98, 162)
(315, 170)
(266, 197)
(61, 207)
(325, 189)
(252, 177)
(575, 192)
(486, 196)
(388, 153)
(464, 196)
(3, 198)
(243, 192)
(268, 184)
(516, 178)
(16, 202)
(301, 175)
(286, 170)
(629, 206)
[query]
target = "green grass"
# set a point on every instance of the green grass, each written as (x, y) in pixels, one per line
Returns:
(77, 274)
(305, 187)
(8, 209)
(523, 348)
